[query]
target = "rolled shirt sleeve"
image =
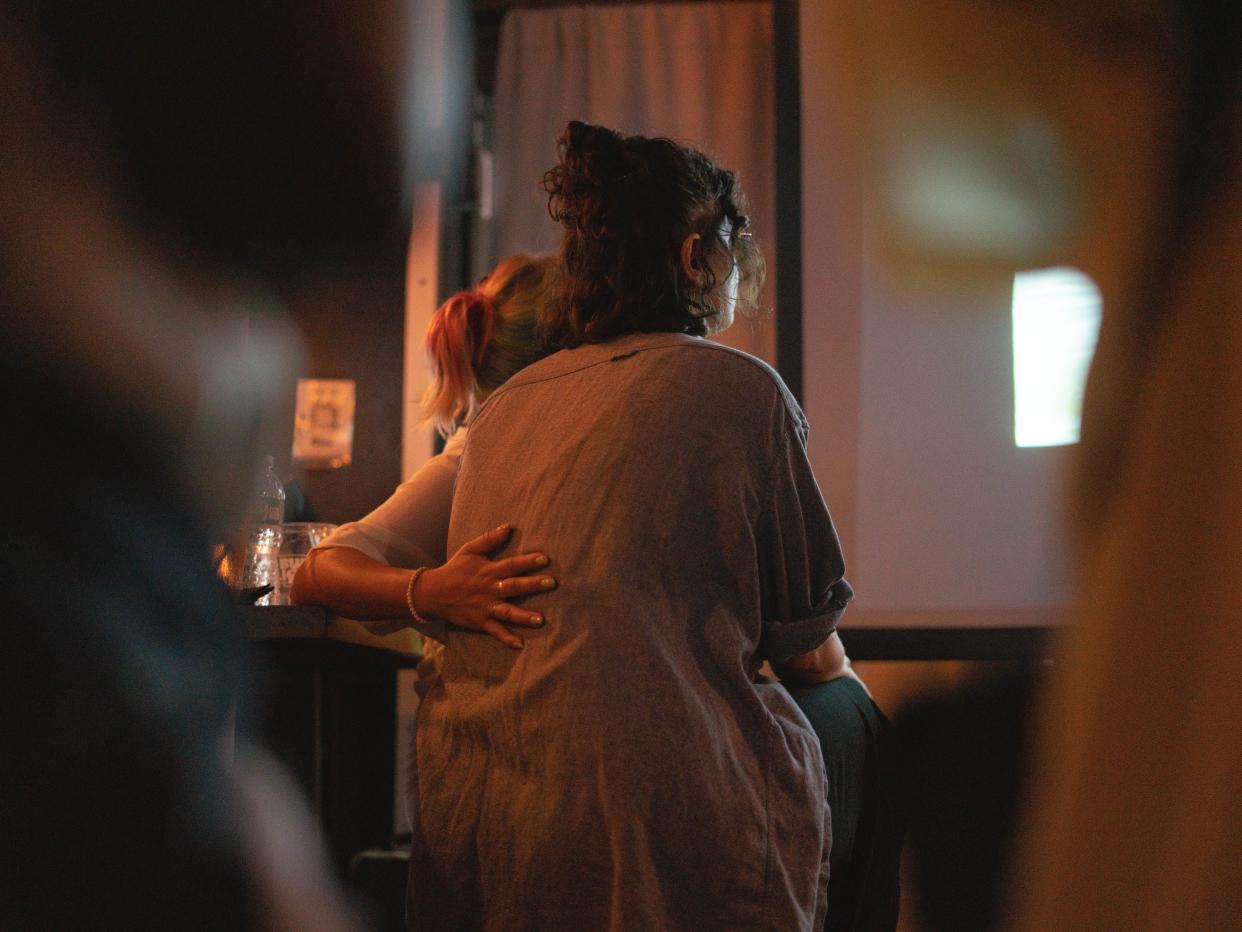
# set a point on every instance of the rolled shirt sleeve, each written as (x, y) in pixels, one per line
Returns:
(803, 589)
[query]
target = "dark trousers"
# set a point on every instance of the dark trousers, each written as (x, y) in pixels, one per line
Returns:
(857, 743)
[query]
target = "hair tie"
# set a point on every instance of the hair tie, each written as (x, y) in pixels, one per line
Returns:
(481, 315)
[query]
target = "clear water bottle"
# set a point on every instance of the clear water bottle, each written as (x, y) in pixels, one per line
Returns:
(263, 533)
(268, 505)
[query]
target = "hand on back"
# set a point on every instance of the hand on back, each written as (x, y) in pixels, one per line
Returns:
(473, 591)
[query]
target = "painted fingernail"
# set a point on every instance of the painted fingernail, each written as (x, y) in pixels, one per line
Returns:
(547, 582)
(517, 645)
(541, 560)
(536, 619)
(503, 527)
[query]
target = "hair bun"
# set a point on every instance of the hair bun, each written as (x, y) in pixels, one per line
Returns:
(586, 139)
(583, 187)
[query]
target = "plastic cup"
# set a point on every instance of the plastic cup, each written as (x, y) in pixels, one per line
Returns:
(297, 538)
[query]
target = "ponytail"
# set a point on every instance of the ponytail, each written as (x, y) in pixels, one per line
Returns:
(456, 345)
(477, 339)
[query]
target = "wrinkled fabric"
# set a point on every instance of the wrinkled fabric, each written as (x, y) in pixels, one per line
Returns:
(625, 771)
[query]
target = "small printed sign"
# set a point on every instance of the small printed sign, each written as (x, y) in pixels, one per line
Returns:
(323, 423)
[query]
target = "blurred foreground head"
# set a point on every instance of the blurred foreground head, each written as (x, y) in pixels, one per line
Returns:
(255, 138)
(167, 169)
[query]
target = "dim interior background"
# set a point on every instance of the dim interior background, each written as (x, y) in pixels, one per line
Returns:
(908, 384)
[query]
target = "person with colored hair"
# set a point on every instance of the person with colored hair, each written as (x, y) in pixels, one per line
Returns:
(630, 769)
(393, 563)
(477, 339)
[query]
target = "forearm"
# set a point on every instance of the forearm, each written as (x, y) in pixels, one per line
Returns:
(470, 590)
(349, 583)
(826, 662)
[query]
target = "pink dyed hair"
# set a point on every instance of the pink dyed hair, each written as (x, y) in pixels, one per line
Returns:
(477, 339)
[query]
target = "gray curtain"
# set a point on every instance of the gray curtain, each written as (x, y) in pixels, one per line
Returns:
(700, 73)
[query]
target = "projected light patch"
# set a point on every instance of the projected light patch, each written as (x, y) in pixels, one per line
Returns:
(1056, 318)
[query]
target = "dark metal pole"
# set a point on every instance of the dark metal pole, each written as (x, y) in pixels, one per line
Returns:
(788, 113)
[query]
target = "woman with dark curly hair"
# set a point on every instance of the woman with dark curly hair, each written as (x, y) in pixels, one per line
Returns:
(650, 228)
(629, 769)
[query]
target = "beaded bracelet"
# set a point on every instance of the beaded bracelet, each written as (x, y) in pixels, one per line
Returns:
(409, 597)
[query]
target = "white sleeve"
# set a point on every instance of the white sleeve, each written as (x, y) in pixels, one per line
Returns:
(410, 529)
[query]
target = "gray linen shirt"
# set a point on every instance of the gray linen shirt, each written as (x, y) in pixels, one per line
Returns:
(625, 771)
